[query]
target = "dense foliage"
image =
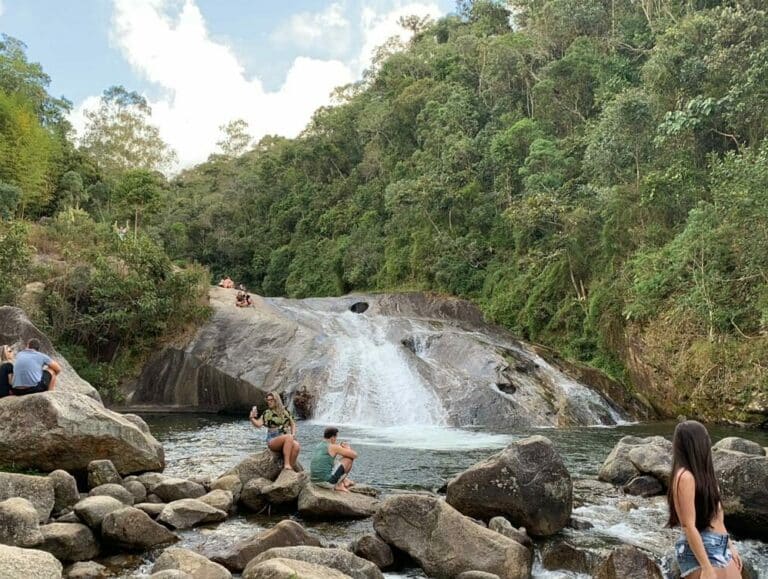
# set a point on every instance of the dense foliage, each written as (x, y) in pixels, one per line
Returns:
(592, 173)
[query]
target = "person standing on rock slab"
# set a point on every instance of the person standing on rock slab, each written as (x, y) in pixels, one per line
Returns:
(34, 371)
(324, 466)
(281, 429)
(705, 550)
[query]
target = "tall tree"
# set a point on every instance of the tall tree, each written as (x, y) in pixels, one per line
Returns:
(235, 138)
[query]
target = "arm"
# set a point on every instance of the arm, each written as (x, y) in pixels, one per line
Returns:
(686, 511)
(342, 450)
(255, 420)
(54, 367)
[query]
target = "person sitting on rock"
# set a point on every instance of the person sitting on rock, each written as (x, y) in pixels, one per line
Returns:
(6, 371)
(243, 300)
(281, 429)
(332, 461)
(34, 371)
(227, 282)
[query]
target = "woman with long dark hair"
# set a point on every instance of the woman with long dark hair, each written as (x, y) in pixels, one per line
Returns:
(704, 550)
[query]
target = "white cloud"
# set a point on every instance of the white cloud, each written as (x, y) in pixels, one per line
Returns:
(203, 84)
(328, 30)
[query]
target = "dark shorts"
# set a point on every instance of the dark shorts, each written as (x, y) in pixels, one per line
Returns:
(337, 475)
(41, 386)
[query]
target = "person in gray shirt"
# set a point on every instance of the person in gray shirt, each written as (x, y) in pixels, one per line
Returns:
(34, 371)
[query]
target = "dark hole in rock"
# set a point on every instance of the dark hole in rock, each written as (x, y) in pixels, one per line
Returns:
(409, 343)
(507, 388)
(358, 307)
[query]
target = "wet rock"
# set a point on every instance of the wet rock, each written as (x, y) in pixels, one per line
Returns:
(627, 561)
(187, 513)
(18, 563)
(252, 495)
(344, 561)
(133, 529)
(444, 542)
(137, 489)
(69, 431)
(281, 568)
(476, 575)
(286, 487)
(38, 490)
(643, 486)
(19, 524)
(527, 483)
(653, 459)
(152, 509)
(626, 506)
(560, 554)
(326, 503)
(229, 483)
(218, 499)
(650, 453)
(153, 498)
(102, 472)
(69, 541)
(197, 566)
(737, 444)
(65, 491)
(86, 570)
(265, 464)
(286, 533)
(173, 489)
(115, 491)
(92, 510)
(503, 526)
(579, 524)
(366, 490)
(375, 550)
(743, 480)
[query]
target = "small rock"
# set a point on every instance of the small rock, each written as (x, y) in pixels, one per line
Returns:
(69, 517)
(69, 541)
(643, 486)
(286, 487)
(86, 570)
(476, 575)
(560, 554)
(372, 548)
(152, 509)
(113, 490)
(173, 489)
(626, 506)
(186, 513)
(252, 495)
(18, 523)
(150, 480)
(218, 499)
(281, 568)
(503, 526)
(229, 483)
(64, 490)
(344, 561)
(170, 574)
(131, 528)
(204, 480)
(579, 524)
(137, 489)
(18, 563)
(92, 510)
(153, 498)
(627, 561)
(102, 472)
(197, 566)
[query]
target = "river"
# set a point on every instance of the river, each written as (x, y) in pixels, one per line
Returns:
(424, 457)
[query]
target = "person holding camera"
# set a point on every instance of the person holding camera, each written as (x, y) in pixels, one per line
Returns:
(332, 461)
(281, 429)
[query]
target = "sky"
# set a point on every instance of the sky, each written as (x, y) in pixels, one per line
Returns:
(202, 63)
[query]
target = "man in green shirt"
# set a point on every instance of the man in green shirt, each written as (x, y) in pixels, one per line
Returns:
(332, 461)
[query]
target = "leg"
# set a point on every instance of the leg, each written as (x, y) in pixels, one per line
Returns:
(283, 443)
(52, 384)
(295, 452)
(730, 572)
(346, 463)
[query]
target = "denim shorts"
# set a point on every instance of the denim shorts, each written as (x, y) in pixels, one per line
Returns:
(716, 546)
(273, 434)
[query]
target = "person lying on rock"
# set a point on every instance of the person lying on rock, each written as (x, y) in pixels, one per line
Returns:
(34, 371)
(6, 371)
(227, 282)
(332, 461)
(281, 429)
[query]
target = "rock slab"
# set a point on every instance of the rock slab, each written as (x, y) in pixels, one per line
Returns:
(18, 563)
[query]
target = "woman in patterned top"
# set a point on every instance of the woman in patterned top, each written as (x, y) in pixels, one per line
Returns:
(281, 429)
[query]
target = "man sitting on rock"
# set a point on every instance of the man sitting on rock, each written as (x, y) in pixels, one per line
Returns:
(332, 461)
(34, 371)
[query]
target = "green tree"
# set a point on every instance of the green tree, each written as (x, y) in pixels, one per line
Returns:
(235, 138)
(138, 190)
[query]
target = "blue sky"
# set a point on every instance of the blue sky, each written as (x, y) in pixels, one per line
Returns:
(204, 62)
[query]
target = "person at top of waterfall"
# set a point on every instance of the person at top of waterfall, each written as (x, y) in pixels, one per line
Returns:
(704, 550)
(227, 282)
(281, 429)
(332, 461)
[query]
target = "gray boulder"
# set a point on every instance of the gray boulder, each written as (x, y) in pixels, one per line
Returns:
(627, 561)
(65, 491)
(286, 533)
(69, 541)
(737, 444)
(560, 554)
(92, 510)
(265, 464)
(252, 496)
(115, 491)
(653, 454)
(186, 513)
(18, 563)
(444, 542)
(375, 550)
(38, 490)
(86, 570)
(339, 559)
(102, 472)
(527, 483)
(133, 529)
(173, 489)
(326, 503)
(229, 483)
(286, 487)
(137, 489)
(151, 479)
(654, 460)
(743, 480)
(282, 568)
(194, 564)
(69, 431)
(218, 499)
(152, 509)
(644, 485)
(19, 524)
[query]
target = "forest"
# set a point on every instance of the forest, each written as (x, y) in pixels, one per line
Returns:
(592, 173)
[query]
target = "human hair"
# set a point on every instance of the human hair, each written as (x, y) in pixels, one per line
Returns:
(330, 432)
(279, 408)
(692, 451)
(5, 353)
(34, 344)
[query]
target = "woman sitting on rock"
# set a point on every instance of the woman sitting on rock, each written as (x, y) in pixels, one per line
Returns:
(704, 550)
(281, 429)
(6, 371)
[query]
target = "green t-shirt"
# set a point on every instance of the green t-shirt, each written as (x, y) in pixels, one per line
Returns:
(321, 466)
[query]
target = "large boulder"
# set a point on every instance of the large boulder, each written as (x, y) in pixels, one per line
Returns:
(325, 503)
(68, 431)
(286, 533)
(739, 445)
(19, 525)
(186, 513)
(633, 456)
(627, 561)
(339, 559)
(133, 529)
(527, 483)
(444, 542)
(69, 541)
(265, 464)
(194, 564)
(173, 489)
(64, 490)
(291, 569)
(18, 563)
(92, 510)
(743, 482)
(38, 490)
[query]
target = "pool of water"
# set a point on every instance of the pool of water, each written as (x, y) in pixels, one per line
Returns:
(393, 458)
